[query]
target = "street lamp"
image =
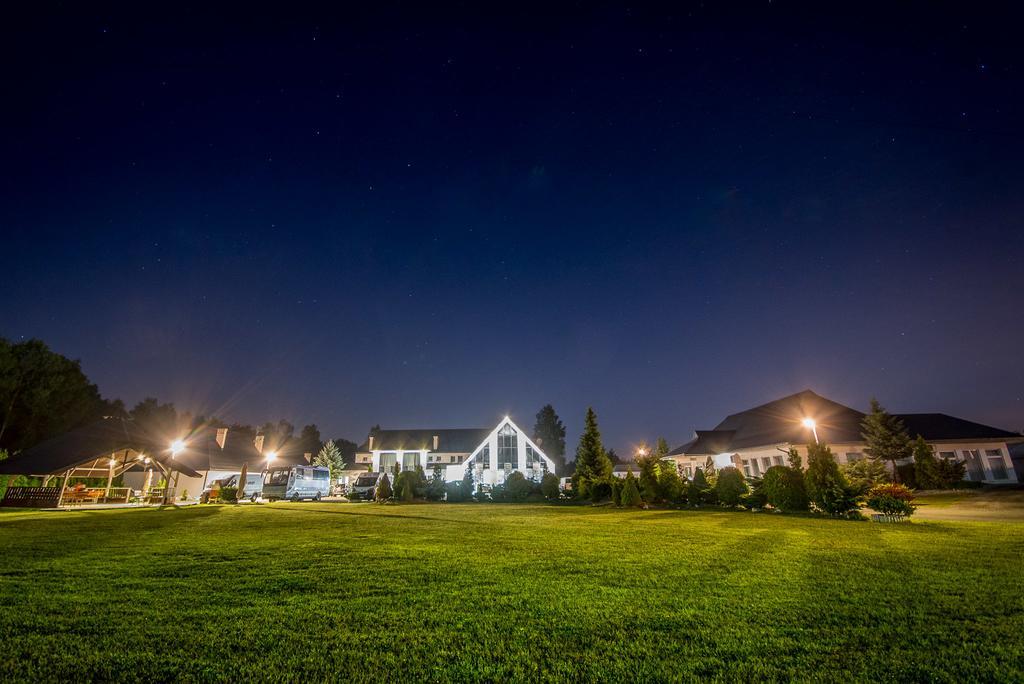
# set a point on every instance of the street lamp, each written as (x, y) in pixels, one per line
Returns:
(271, 455)
(177, 446)
(813, 427)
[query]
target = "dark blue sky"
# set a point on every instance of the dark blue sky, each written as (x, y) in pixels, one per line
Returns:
(432, 219)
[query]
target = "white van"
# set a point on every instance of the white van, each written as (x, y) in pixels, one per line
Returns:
(296, 482)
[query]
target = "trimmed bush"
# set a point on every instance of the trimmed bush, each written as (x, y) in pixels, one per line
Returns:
(518, 488)
(730, 486)
(617, 491)
(699, 490)
(630, 496)
(891, 499)
(549, 487)
(784, 489)
(228, 494)
(384, 492)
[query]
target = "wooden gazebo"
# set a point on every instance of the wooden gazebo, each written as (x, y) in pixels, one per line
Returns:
(102, 450)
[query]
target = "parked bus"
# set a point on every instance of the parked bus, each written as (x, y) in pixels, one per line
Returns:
(296, 482)
(253, 486)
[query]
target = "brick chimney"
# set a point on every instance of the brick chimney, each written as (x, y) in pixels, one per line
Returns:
(437, 440)
(222, 437)
(371, 443)
(258, 442)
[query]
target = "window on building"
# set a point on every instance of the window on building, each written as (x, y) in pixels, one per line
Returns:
(778, 460)
(766, 463)
(746, 467)
(533, 459)
(508, 448)
(483, 458)
(387, 461)
(996, 464)
(410, 460)
(948, 455)
(975, 471)
(853, 456)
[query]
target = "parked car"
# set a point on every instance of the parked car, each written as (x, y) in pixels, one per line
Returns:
(253, 486)
(365, 487)
(296, 482)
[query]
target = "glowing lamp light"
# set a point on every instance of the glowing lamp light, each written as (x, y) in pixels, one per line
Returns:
(812, 426)
(271, 455)
(113, 461)
(177, 446)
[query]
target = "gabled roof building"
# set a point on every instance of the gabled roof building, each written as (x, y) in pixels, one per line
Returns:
(758, 438)
(491, 454)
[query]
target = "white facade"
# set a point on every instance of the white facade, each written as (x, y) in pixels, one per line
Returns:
(987, 462)
(505, 450)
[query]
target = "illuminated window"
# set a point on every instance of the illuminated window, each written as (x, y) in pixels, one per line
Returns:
(853, 456)
(388, 461)
(483, 458)
(508, 448)
(996, 464)
(533, 459)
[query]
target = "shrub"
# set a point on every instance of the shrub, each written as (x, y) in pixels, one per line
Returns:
(730, 486)
(436, 486)
(950, 473)
(454, 492)
(406, 490)
(699, 491)
(827, 489)
(907, 474)
(756, 497)
(228, 494)
(891, 499)
(617, 490)
(600, 489)
(416, 481)
(549, 486)
(670, 485)
(866, 473)
(518, 488)
(384, 492)
(630, 496)
(784, 489)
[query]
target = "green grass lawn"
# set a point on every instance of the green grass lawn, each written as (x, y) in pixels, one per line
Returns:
(491, 592)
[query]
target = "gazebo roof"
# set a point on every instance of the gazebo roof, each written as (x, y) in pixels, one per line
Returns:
(89, 446)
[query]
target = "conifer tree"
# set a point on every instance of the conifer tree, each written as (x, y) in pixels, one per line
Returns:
(592, 464)
(926, 466)
(886, 437)
(330, 457)
(630, 496)
(826, 487)
(670, 485)
(384, 492)
(549, 434)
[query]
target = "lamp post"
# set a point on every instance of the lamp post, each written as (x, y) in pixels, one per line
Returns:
(813, 427)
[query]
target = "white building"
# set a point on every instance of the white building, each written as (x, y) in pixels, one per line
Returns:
(758, 438)
(492, 454)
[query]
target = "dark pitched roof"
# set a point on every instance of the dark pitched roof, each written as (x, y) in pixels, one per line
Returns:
(88, 443)
(781, 422)
(202, 452)
(460, 441)
(939, 426)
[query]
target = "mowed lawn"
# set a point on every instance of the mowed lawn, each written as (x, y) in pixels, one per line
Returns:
(499, 592)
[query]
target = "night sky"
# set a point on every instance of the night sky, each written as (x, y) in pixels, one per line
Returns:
(434, 219)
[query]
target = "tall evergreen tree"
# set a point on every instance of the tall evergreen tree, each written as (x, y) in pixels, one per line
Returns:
(549, 434)
(330, 457)
(592, 464)
(886, 437)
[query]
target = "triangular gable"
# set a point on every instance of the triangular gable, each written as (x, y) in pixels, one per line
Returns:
(493, 434)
